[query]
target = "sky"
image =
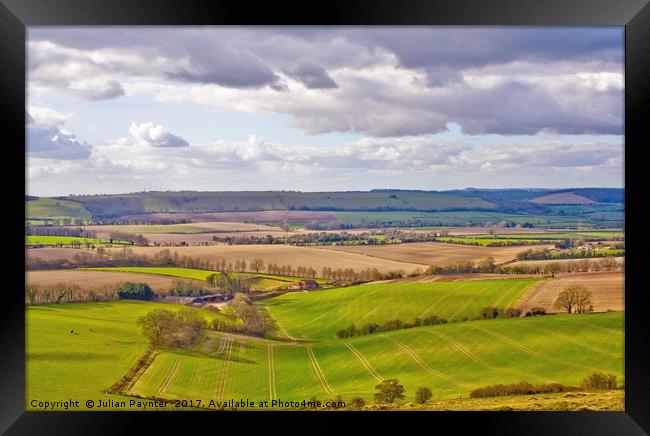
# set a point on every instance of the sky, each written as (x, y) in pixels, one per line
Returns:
(126, 109)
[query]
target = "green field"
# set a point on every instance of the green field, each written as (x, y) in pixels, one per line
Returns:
(450, 359)
(62, 365)
(262, 281)
(55, 208)
(61, 240)
(320, 314)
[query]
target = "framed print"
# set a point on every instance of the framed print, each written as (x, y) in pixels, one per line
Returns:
(375, 213)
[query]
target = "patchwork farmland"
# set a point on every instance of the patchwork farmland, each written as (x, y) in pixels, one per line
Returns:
(375, 295)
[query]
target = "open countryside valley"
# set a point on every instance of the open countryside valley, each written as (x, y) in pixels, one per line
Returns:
(460, 302)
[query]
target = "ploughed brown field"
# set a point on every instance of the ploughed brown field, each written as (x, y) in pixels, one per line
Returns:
(434, 253)
(263, 217)
(316, 258)
(607, 288)
(96, 279)
(55, 253)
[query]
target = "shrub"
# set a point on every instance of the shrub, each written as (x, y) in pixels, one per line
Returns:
(536, 311)
(389, 391)
(511, 313)
(357, 403)
(135, 291)
(522, 388)
(423, 394)
(489, 312)
(599, 380)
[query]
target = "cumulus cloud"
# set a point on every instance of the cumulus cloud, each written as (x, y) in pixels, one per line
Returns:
(47, 138)
(153, 135)
(418, 162)
(375, 81)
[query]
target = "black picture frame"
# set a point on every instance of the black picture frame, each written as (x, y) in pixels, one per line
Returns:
(15, 15)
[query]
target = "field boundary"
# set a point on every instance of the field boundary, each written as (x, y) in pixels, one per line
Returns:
(282, 329)
(124, 385)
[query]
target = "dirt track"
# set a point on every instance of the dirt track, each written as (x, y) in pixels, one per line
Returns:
(608, 289)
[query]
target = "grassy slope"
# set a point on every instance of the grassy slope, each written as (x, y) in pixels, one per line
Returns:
(450, 359)
(319, 315)
(55, 208)
(125, 204)
(61, 365)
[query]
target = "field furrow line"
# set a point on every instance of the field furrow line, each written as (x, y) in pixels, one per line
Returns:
(460, 308)
(271, 373)
(535, 353)
(464, 350)
(282, 329)
(616, 332)
(170, 376)
(364, 362)
(502, 296)
(222, 345)
(578, 342)
(440, 300)
(424, 365)
(344, 313)
(528, 295)
(319, 371)
(223, 377)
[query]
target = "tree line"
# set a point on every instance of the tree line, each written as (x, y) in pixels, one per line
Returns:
(552, 268)
(544, 254)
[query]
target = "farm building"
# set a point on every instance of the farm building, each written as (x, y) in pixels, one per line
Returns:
(303, 284)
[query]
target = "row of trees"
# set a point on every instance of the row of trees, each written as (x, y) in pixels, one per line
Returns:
(73, 232)
(370, 328)
(73, 293)
(595, 381)
(229, 283)
(552, 268)
(544, 254)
